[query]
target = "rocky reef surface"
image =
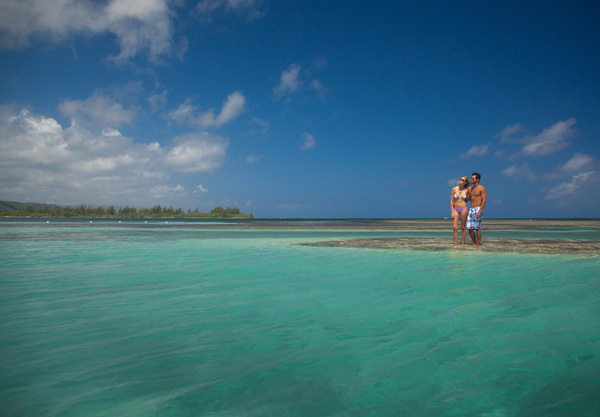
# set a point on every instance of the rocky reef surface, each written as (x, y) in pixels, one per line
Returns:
(550, 246)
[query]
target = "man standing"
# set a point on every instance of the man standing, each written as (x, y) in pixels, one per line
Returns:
(478, 199)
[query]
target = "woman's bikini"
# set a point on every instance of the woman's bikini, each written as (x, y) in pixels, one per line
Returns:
(462, 197)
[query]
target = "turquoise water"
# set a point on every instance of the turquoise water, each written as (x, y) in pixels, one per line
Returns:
(134, 321)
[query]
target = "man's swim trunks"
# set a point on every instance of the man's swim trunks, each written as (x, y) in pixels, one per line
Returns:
(472, 221)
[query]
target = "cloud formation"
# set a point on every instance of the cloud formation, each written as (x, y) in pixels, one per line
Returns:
(200, 189)
(551, 140)
(294, 78)
(41, 161)
(158, 101)
(578, 176)
(509, 132)
(196, 152)
(520, 172)
(476, 150)
(514, 170)
(250, 9)
(233, 106)
(578, 162)
(252, 158)
(579, 186)
(138, 25)
(308, 142)
(289, 82)
(258, 127)
(96, 111)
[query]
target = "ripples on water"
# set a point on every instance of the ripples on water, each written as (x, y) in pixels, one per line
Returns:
(134, 322)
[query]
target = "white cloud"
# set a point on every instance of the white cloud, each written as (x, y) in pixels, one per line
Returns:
(200, 189)
(516, 171)
(551, 140)
(260, 127)
(476, 150)
(31, 140)
(508, 133)
(578, 162)
(138, 25)
(581, 189)
(289, 81)
(450, 183)
(233, 106)
(576, 165)
(97, 111)
(251, 9)
(338, 113)
(318, 64)
(153, 147)
(164, 191)
(98, 165)
(292, 81)
(320, 89)
(308, 143)
(197, 152)
(41, 161)
(251, 159)
(577, 186)
(522, 173)
(158, 101)
(184, 113)
(109, 131)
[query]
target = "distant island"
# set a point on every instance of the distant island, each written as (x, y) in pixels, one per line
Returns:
(17, 209)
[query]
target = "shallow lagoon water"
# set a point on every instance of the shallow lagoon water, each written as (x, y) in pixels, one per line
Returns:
(135, 321)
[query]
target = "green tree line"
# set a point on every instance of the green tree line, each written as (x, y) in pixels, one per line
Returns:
(47, 210)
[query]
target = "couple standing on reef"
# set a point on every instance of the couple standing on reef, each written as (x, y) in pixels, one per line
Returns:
(470, 218)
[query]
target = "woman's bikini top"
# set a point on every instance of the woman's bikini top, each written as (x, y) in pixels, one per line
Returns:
(463, 196)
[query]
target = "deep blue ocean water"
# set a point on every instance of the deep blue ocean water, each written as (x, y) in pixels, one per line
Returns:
(129, 320)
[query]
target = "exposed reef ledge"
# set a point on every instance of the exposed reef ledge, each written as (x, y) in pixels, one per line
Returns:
(488, 245)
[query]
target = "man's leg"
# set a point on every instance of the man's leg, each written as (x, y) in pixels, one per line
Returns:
(472, 234)
(478, 237)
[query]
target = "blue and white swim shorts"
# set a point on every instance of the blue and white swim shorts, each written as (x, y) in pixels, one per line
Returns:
(472, 221)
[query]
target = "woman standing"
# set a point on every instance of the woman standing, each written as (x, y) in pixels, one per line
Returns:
(458, 204)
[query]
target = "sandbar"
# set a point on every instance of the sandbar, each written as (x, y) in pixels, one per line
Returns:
(541, 246)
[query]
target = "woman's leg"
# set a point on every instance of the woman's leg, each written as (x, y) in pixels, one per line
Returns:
(463, 223)
(455, 226)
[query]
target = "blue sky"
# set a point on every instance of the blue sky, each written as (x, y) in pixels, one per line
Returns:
(301, 109)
